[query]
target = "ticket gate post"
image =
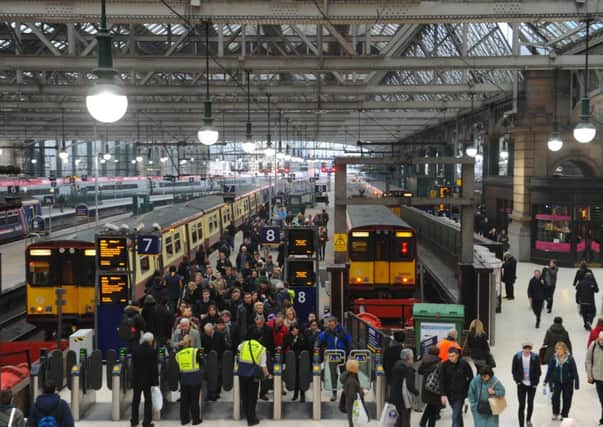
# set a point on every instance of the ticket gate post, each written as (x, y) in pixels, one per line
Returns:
(277, 386)
(121, 387)
(38, 373)
(379, 382)
(316, 392)
(236, 392)
(86, 378)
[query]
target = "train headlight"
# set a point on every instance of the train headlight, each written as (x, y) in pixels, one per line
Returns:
(358, 279)
(38, 309)
(405, 280)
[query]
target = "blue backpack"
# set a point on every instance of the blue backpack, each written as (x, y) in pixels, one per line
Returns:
(48, 418)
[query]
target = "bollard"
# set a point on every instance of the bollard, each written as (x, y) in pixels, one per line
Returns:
(75, 393)
(380, 383)
(36, 378)
(115, 393)
(236, 393)
(316, 392)
(277, 387)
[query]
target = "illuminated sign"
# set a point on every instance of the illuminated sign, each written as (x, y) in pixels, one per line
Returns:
(113, 288)
(403, 233)
(112, 252)
(301, 241)
(300, 272)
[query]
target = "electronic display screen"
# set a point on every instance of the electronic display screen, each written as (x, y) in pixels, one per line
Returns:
(112, 253)
(301, 241)
(300, 273)
(113, 288)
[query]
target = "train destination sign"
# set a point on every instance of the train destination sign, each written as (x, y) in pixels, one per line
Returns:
(112, 252)
(113, 288)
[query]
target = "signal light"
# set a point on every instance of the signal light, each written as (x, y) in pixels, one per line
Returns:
(323, 169)
(404, 248)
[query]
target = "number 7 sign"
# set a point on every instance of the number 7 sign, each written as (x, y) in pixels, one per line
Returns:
(149, 245)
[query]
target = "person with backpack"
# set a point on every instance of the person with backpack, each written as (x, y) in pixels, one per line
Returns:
(334, 337)
(50, 410)
(174, 284)
(431, 393)
(526, 374)
(130, 327)
(10, 415)
(585, 298)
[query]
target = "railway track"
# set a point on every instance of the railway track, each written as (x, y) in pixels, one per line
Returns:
(13, 324)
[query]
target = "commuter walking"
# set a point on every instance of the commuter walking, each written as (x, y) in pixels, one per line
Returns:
(189, 364)
(477, 341)
(10, 415)
(252, 361)
(334, 337)
(351, 387)
(455, 376)
(50, 409)
(174, 283)
(594, 368)
(482, 387)
(549, 275)
(509, 275)
(296, 341)
(562, 375)
(403, 374)
(145, 374)
(323, 238)
(392, 354)
(556, 333)
(585, 298)
(537, 295)
(581, 273)
(430, 362)
(526, 374)
(594, 333)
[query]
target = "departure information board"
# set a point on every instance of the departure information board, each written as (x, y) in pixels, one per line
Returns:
(113, 288)
(300, 272)
(112, 252)
(301, 241)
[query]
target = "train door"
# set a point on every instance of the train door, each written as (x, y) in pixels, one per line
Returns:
(361, 258)
(381, 264)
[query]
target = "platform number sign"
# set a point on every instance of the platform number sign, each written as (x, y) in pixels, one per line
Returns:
(305, 301)
(149, 245)
(13, 189)
(270, 235)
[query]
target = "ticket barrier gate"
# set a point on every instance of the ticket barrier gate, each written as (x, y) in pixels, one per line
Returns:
(84, 380)
(49, 367)
(119, 381)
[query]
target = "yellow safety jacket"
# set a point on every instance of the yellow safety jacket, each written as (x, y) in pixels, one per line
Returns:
(250, 354)
(188, 365)
(291, 295)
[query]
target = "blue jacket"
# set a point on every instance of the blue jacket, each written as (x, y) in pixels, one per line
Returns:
(51, 404)
(334, 340)
(562, 373)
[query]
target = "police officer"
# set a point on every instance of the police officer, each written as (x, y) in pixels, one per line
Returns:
(252, 357)
(189, 364)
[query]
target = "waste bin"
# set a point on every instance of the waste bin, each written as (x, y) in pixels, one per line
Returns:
(433, 321)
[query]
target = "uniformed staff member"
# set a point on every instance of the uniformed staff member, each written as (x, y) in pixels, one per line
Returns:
(189, 364)
(251, 355)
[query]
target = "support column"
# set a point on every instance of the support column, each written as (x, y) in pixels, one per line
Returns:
(118, 167)
(340, 206)
(89, 159)
(41, 170)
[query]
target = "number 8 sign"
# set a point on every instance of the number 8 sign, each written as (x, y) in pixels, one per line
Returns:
(270, 235)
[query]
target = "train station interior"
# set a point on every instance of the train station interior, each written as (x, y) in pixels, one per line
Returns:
(337, 181)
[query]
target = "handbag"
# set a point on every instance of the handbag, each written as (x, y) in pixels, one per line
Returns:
(432, 382)
(497, 403)
(483, 406)
(359, 414)
(258, 373)
(407, 396)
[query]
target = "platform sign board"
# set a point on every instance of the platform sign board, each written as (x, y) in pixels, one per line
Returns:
(437, 330)
(149, 245)
(426, 343)
(320, 188)
(306, 301)
(13, 189)
(37, 223)
(112, 253)
(270, 235)
(301, 241)
(375, 340)
(340, 242)
(113, 288)
(81, 210)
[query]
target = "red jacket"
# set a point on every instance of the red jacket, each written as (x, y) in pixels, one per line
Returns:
(279, 333)
(594, 334)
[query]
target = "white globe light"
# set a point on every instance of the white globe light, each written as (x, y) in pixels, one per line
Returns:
(585, 132)
(116, 161)
(133, 161)
(34, 161)
(138, 159)
(103, 161)
(106, 103)
(192, 159)
(150, 162)
(504, 155)
(554, 143)
(471, 151)
(269, 152)
(207, 135)
(183, 161)
(107, 156)
(248, 147)
(163, 159)
(63, 155)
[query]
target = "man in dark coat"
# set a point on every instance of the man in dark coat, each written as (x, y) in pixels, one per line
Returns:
(49, 403)
(526, 374)
(549, 275)
(537, 294)
(402, 372)
(556, 333)
(213, 340)
(509, 275)
(266, 338)
(144, 375)
(581, 273)
(585, 297)
(455, 376)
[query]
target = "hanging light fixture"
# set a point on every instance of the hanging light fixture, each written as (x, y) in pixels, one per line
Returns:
(107, 155)
(585, 131)
(208, 134)
(106, 102)
(269, 151)
(63, 154)
(279, 154)
(248, 145)
(139, 159)
(555, 143)
(471, 150)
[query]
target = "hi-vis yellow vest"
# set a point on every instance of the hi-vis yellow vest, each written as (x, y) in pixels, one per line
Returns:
(190, 370)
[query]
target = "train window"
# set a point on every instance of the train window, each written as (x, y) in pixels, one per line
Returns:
(12, 218)
(361, 246)
(145, 264)
(2, 218)
(177, 244)
(70, 267)
(200, 230)
(194, 233)
(38, 273)
(169, 248)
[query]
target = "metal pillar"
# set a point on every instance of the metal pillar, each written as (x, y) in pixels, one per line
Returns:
(89, 158)
(467, 213)
(340, 206)
(316, 392)
(41, 158)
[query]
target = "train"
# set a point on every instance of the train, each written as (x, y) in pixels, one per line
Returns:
(16, 222)
(382, 253)
(69, 263)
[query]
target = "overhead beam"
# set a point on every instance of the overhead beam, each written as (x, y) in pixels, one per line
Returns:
(300, 12)
(40, 35)
(272, 64)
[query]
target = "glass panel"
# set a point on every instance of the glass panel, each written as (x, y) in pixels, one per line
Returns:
(553, 232)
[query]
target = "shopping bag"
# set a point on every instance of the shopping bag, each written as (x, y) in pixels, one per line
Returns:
(389, 415)
(156, 398)
(497, 404)
(359, 415)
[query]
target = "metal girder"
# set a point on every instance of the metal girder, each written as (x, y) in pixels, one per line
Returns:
(302, 11)
(273, 64)
(414, 201)
(169, 52)
(289, 88)
(411, 160)
(40, 35)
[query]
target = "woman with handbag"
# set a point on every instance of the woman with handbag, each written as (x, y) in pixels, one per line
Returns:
(429, 368)
(562, 375)
(351, 388)
(486, 397)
